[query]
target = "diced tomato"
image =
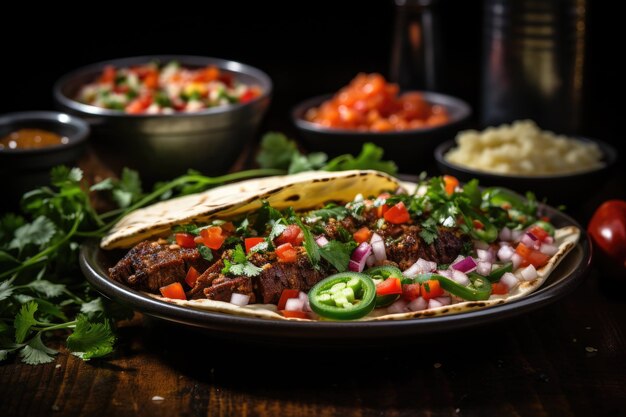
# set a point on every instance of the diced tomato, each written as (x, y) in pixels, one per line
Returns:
(286, 295)
(478, 224)
(410, 291)
(228, 227)
(213, 237)
(397, 214)
(151, 80)
(192, 276)
(381, 210)
(108, 74)
(139, 105)
(539, 233)
(499, 288)
(252, 242)
(531, 256)
(247, 96)
(450, 183)
(391, 285)
(174, 290)
(185, 240)
(199, 240)
(286, 253)
(294, 314)
(362, 235)
(431, 289)
(292, 234)
(226, 79)
(207, 74)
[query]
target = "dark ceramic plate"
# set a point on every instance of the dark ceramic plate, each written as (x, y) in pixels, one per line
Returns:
(94, 263)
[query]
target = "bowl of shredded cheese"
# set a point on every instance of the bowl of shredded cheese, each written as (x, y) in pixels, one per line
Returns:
(522, 156)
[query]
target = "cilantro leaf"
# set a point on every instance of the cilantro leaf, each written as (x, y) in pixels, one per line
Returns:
(128, 189)
(310, 162)
(6, 289)
(93, 307)
(205, 252)
(276, 151)
(277, 229)
(312, 249)
(24, 320)
(429, 231)
(369, 158)
(91, 340)
(106, 184)
(329, 211)
(35, 352)
(46, 287)
(240, 264)
(337, 254)
(39, 232)
(239, 256)
(265, 215)
(61, 175)
(8, 224)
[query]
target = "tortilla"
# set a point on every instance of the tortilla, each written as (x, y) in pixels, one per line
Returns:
(300, 191)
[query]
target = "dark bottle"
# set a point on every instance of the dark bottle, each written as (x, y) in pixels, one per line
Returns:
(415, 49)
(533, 62)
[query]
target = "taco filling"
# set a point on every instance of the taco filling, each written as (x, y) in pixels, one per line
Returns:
(373, 256)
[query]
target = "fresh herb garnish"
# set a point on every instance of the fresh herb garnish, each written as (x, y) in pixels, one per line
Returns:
(205, 252)
(240, 265)
(338, 254)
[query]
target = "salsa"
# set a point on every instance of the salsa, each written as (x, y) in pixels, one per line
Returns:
(155, 89)
(369, 103)
(31, 139)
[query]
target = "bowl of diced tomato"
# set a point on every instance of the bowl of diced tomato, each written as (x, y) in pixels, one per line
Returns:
(408, 125)
(163, 115)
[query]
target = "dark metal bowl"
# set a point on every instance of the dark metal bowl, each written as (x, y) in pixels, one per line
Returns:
(556, 189)
(26, 169)
(164, 145)
(410, 149)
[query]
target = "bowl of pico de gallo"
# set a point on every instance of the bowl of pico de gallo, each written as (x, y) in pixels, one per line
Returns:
(165, 114)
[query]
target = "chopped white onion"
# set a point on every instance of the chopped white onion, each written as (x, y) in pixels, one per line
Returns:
(528, 240)
(432, 303)
(460, 277)
(378, 247)
(516, 235)
(548, 249)
(321, 241)
(505, 234)
(399, 306)
(458, 259)
(302, 295)
(444, 300)
(370, 261)
(418, 304)
(510, 280)
(465, 265)
(549, 240)
(529, 273)
(445, 273)
(239, 299)
(516, 260)
(483, 268)
(422, 266)
(505, 253)
(485, 255)
(294, 304)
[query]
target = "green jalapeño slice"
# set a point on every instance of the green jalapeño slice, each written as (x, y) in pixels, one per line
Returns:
(343, 296)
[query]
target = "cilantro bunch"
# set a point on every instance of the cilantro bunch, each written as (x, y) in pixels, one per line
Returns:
(43, 295)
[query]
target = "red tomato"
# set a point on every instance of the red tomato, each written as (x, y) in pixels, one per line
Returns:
(362, 235)
(213, 237)
(192, 277)
(531, 256)
(391, 285)
(292, 234)
(108, 74)
(397, 214)
(252, 242)
(431, 289)
(139, 105)
(539, 233)
(247, 96)
(450, 183)
(286, 253)
(295, 314)
(174, 290)
(410, 291)
(607, 230)
(499, 288)
(286, 295)
(185, 240)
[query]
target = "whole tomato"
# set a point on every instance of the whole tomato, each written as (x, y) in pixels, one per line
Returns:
(607, 230)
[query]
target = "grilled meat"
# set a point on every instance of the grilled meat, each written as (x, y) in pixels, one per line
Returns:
(150, 265)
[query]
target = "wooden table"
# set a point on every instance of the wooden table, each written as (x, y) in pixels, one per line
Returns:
(568, 359)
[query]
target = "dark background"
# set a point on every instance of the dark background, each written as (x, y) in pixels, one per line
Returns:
(307, 48)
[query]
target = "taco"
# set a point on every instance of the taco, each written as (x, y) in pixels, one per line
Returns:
(352, 245)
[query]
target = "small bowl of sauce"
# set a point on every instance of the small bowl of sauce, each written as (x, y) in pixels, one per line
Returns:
(31, 143)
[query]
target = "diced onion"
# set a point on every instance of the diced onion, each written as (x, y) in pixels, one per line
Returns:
(378, 247)
(529, 273)
(465, 265)
(444, 300)
(302, 295)
(359, 257)
(370, 261)
(483, 268)
(516, 235)
(516, 259)
(445, 273)
(321, 241)
(505, 253)
(460, 277)
(239, 299)
(399, 306)
(432, 303)
(485, 255)
(549, 240)
(529, 240)
(509, 279)
(418, 304)
(548, 249)
(505, 234)
(294, 304)
(422, 266)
